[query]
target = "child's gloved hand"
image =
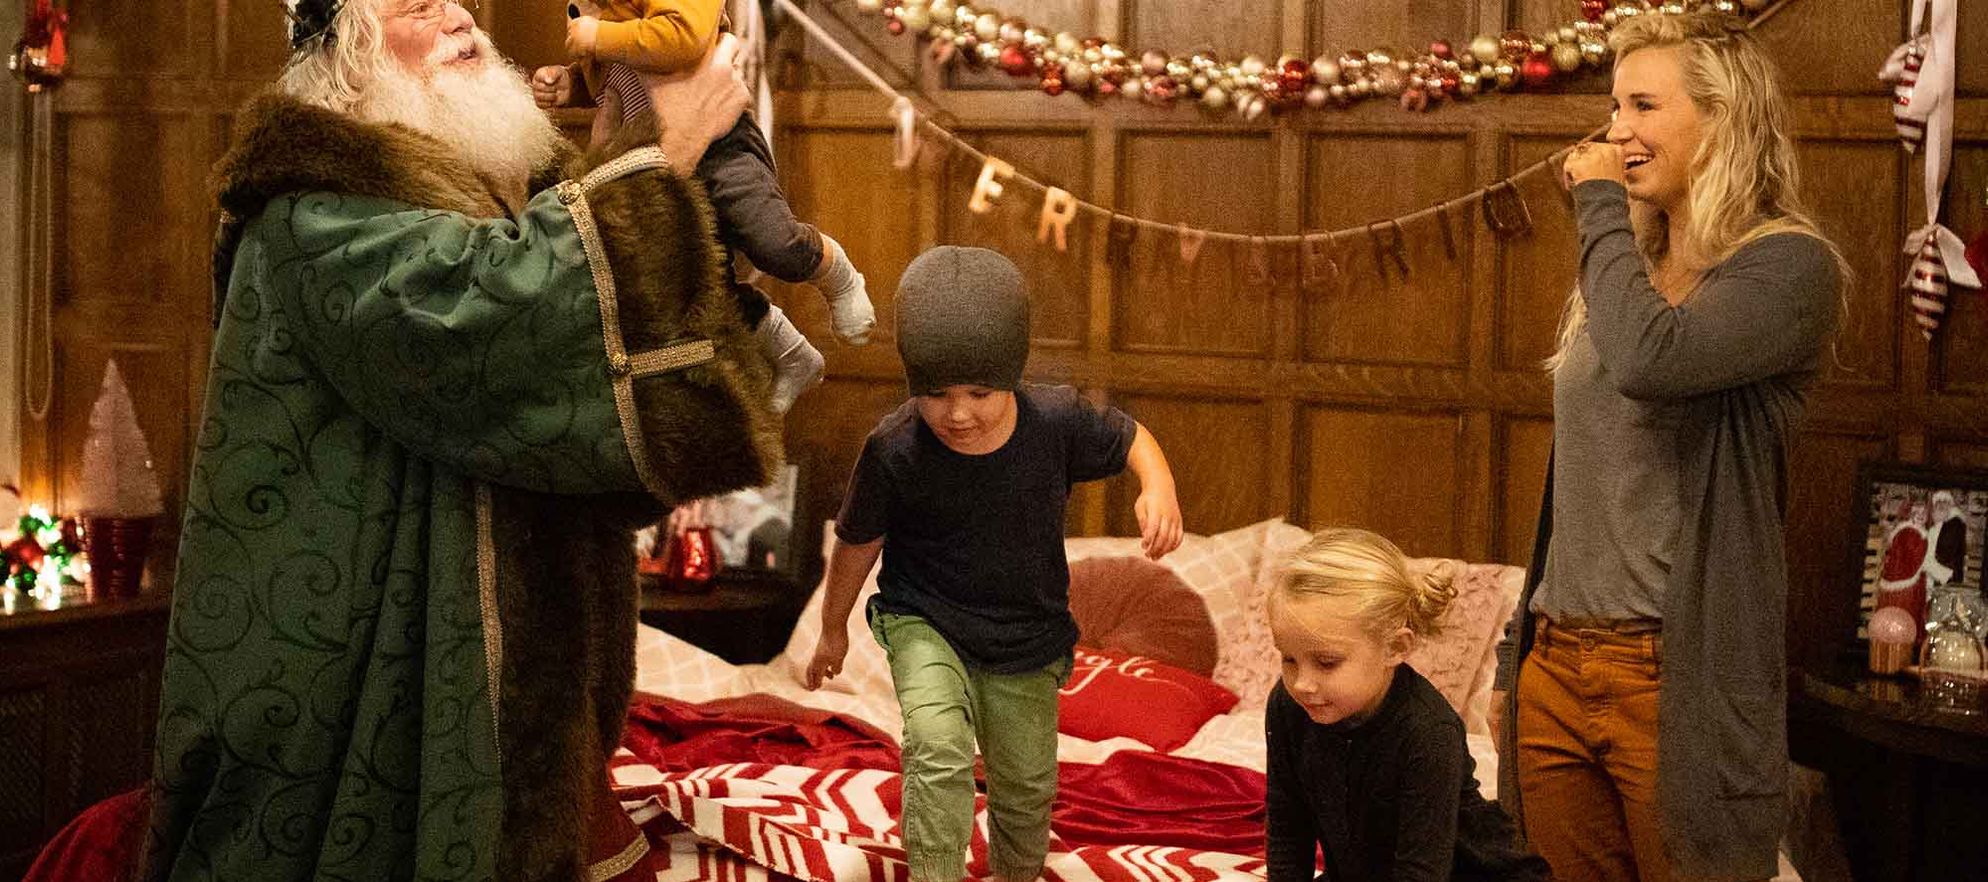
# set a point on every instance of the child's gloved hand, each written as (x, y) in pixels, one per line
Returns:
(552, 86)
(580, 36)
(848, 296)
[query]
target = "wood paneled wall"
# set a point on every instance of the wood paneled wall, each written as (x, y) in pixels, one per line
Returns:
(1411, 405)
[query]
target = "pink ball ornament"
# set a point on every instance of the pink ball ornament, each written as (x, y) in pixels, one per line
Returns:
(1893, 625)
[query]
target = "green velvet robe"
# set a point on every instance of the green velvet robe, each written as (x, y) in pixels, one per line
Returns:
(402, 632)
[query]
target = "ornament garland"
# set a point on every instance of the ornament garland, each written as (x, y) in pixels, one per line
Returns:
(980, 35)
(1502, 206)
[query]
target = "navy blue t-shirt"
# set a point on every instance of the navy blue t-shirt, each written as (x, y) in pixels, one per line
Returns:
(974, 544)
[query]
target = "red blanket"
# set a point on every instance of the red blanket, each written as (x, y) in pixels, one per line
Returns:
(729, 788)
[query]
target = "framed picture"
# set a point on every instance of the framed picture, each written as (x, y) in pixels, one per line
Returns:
(754, 528)
(1917, 540)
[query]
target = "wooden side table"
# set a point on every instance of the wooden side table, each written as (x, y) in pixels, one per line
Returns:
(79, 698)
(744, 618)
(1908, 766)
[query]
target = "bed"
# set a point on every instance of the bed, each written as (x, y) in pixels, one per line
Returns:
(1161, 750)
(739, 773)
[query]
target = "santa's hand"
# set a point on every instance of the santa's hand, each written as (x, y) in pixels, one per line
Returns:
(552, 86)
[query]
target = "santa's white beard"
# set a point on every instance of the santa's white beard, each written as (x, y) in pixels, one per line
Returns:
(482, 108)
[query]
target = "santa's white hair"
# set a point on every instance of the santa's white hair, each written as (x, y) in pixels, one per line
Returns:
(482, 108)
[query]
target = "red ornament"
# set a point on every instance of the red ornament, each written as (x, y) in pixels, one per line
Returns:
(1977, 254)
(895, 27)
(1016, 61)
(24, 553)
(1293, 79)
(1536, 70)
(1441, 49)
(1593, 10)
(692, 560)
(1161, 89)
(1052, 81)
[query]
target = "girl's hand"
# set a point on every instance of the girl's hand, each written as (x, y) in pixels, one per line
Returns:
(1159, 521)
(1592, 161)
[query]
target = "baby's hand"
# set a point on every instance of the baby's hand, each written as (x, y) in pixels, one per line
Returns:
(552, 86)
(580, 35)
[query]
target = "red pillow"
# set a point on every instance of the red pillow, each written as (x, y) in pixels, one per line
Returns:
(1112, 695)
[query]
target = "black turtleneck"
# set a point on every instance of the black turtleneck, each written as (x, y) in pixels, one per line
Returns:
(1389, 796)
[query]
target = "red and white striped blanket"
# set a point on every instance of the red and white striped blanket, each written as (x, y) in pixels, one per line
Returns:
(748, 821)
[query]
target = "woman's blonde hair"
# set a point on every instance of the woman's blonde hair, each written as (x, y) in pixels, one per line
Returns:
(1388, 590)
(1744, 179)
(333, 70)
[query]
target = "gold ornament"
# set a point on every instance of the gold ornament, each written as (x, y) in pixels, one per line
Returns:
(1214, 98)
(988, 52)
(1466, 83)
(1066, 44)
(1153, 62)
(987, 27)
(1325, 70)
(1034, 38)
(869, 5)
(1076, 75)
(1252, 105)
(1566, 57)
(1486, 48)
(1251, 66)
(1506, 75)
(963, 16)
(1388, 80)
(1133, 88)
(1317, 96)
(1594, 53)
(1011, 30)
(914, 16)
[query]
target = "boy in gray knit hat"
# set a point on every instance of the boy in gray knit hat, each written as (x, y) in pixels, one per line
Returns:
(962, 491)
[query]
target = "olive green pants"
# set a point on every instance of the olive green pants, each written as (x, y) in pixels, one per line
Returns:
(947, 707)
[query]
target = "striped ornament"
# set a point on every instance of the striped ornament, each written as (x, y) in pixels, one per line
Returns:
(1902, 71)
(1926, 285)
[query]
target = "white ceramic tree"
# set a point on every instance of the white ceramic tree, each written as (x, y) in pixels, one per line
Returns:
(118, 480)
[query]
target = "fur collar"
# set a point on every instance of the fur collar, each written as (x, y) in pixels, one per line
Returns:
(283, 145)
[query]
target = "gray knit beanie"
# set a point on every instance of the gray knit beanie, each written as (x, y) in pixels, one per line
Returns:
(962, 318)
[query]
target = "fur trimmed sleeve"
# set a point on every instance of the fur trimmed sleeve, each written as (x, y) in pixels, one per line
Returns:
(650, 234)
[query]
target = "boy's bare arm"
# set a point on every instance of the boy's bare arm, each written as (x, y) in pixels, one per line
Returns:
(1157, 507)
(848, 567)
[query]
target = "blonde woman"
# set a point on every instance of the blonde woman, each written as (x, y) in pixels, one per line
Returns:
(1647, 651)
(1365, 760)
